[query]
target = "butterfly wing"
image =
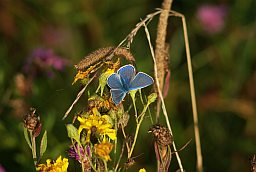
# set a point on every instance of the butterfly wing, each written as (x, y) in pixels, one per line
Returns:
(127, 74)
(114, 81)
(117, 95)
(141, 80)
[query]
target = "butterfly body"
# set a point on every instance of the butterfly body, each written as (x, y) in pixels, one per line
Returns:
(125, 80)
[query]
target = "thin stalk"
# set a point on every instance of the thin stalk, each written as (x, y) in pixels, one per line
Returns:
(161, 97)
(119, 160)
(127, 145)
(135, 110)
(33, 142)
(141, 99)
(115, 147)
(78, 97)
(192, 93)
(137, 129)
(131, 35)
(193, 99)
(105, 165)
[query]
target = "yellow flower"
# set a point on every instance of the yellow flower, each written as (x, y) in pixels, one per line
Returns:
(97, 124)
(51, 166)
(142, 170)
(80, 76)
(103, 149)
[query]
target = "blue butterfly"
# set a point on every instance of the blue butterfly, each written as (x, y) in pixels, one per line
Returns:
(125, 80)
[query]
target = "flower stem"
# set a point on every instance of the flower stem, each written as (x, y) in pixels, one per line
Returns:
(135, 111)
(33, 141)
(141, 99)
(105, 165)
(137, 129)
(115, 147)
(127, 145)
(134, 105)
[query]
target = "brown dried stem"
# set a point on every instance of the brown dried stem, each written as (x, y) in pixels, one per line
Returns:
(160, 48)
(77, 98)
(192, 93)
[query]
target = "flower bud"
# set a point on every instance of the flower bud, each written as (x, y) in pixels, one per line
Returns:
(161, 134)
(32, 122)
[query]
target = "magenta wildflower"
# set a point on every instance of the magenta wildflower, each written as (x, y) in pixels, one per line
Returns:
(84, 152)
(2, 168)
(44, 60)
(212, 17)
(85, 155)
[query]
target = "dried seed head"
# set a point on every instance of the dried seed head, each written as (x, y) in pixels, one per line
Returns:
(32, 122)
(161, 135)
(123, 120)
(102, 55)
(129, 163)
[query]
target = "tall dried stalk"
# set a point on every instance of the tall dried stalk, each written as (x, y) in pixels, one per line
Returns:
(160, 47)
(192, 93)
(160, 53)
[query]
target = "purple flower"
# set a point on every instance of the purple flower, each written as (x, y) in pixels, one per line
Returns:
(212, 17)
(2, 168)
(48, 58)
(85, 153)
(44, 61)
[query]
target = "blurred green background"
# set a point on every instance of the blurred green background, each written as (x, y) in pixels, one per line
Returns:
(222, 41)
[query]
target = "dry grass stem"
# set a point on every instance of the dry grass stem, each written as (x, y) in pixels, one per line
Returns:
(160, 47)
(161, 98)
(131, 35)
(192, 93)
(77, 97)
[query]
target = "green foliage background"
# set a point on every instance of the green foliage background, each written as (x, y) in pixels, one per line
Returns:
(224, 69)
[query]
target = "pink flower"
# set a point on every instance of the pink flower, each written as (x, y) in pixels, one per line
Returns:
(2, 168)
(85, 153)
(49, 58)
(44, 61)
(212, 17)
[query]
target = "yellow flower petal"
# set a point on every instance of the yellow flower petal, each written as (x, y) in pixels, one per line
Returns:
(58, 166)
(103, 149)
(142, 170)
(103, 127)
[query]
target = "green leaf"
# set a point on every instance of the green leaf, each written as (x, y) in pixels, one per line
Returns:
(103, 81)
(27, 137)
(72, 132)
(43, 145)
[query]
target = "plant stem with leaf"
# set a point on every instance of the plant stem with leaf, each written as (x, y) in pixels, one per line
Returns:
(33, 142)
